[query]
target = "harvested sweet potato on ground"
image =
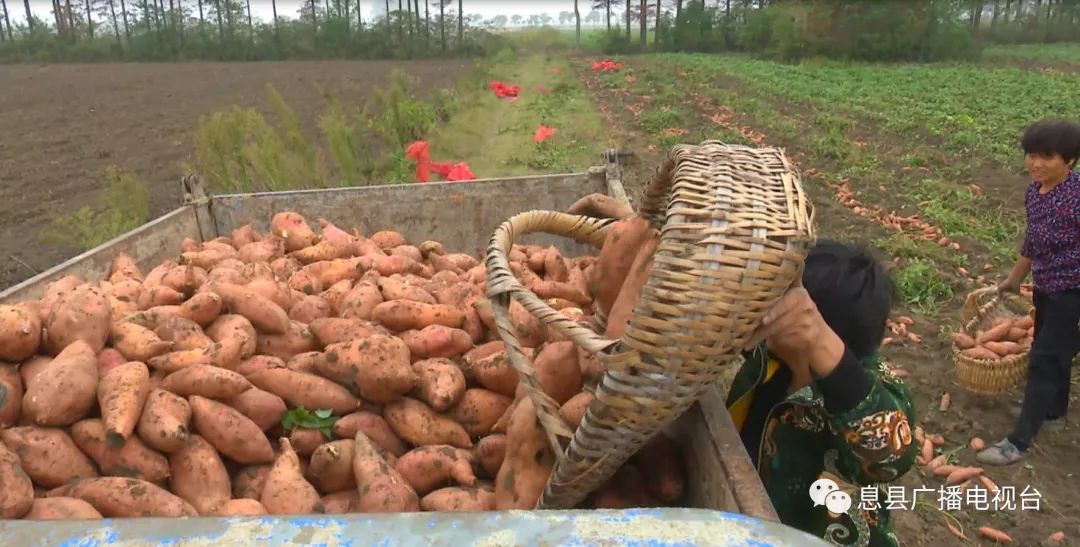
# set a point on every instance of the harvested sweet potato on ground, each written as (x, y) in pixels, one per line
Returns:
(430, 467)
(61, 509)
(159, 296)
(307, 390)
(265, 315)
(388, 239)
(310, 308)
(402, 315)
(198, 475)
(48, 455)
(489, 453)
(417, 423)
(240, 507)
(558, 371)
(236, 338)
(176, 360)
(478, 410)
(230, 432)
(331, 467)
(306, 362)
(439, 383)
(266, 250)
(397, 287)
(164, 421)
(334, 330)
(360, 302)
(374, 427)
(262, 407)
(298, 339)
(20, 333)
(65, 389)
(493, 370)
(206, 381)
(528, 463)
(305, 440)
(122, 393)
(286, 492)
(379, 365)
(120, 497)
(573, 411)
(17, 495)
(54, 291)
(340, 503)
(437, 341)
(81, 314)
(136, 342)
(259, 363)
(132, 458)
(274, 291)
(381, 488)
(323, 250)
(11, 395)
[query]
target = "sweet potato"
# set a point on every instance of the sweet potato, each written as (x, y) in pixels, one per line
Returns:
(489, 453)
(274, 291)
(531, 333)
(262, 407)
(331, 468)
(164, 421)
(430, 248)
(286, 491)
(230, 432)
(402, 315)
(430, 467)
(310, 308)
(227, 275)
(206, 381)
(32, 367)
(184, 334)
(124, 267)
(307, 362)
(323, 250)
(493, 371)
(181, 279)
(249, 481)
(618, 252)
(381, 488)
(240, 507)
(360, 302)
(176, 360)
(633, 286)
(109, 359)
(137, 343)
(305, 440)
(81, 314)
(573, 410)
(379, 365)
(558, 371)
(20, 333)
(397, 264)
(259, 363)
(334, 330)
(246, 234)
(443, 264)
(416, 423)
(159, 295)
(264, 314)
(980, 352)
(298, 339)
(459, 499)
(340, 503)
(528, 463)
(54, 291)
(478, 410)
(209, 256)
(236, 338)
(307, 390)
(1026, 322)
(266, 250)
(198, 475)
(439, 383)
(17, 495)
(11, 395)
(1003, 348)
(202, 308)
(120, 497)
(48, 455)
(994, 333)
(396, 287)
(374, 427)
(122, 395)
(306, 281)
(294, 229)
(407, 251)
(388, 239)
(131, 458)
(962, 340)
(61, 509)
(65, 389)
(437, 341)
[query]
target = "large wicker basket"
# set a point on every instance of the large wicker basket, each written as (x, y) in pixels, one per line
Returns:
(735, 227)
(990, 376)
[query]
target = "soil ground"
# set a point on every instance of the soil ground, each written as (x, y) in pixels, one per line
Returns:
(62, 125)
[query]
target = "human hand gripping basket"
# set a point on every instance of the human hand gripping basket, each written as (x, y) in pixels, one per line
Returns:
(982, 308)
(735, 228)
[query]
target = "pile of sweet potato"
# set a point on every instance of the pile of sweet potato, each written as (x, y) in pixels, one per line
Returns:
(1002, 338)
(297, 371)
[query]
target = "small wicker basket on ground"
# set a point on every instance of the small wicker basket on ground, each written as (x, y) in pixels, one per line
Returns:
(990, 376)
(735, 228)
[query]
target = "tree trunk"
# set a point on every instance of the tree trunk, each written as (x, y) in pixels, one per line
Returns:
(348, 18)
(29, 15)
(460, 23)
(442, 23)
(416, 11)
(220, 22)
(607, 7)
(656, 32)
(643, 22)
(400, 30)
(408, 10)
(727, 9)
(115, 21)
(577, 19)
(627, 21)
(123, 14)
(997, 13)
(89, 20)
(7, 21)
(427, 23)
(71, 19)
(273, 6)
(251, 26)
(388, 15)
(315, 17)
(359, 18)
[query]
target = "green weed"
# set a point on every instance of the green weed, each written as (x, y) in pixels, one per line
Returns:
(124, 207)
(921, 286)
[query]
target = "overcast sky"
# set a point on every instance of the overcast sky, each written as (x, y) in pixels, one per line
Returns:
(288, 8)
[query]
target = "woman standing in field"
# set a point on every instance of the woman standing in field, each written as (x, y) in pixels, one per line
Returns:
(1051, 253)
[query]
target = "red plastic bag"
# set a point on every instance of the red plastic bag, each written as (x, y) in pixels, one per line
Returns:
(607, 65)
(460, 172)
(503, 90)
(420, 153)
(543, 133)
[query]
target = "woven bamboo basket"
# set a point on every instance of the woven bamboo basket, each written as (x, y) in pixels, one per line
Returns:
(990, 376)
(735, 227)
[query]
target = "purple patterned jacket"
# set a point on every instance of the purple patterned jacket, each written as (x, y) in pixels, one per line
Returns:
(1052, 241)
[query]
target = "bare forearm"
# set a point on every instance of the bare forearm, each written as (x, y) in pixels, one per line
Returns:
(1020, 270)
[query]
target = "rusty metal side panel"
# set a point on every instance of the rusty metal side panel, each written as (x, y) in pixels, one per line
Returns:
(462, 216)
(148, 244)
(653, 527)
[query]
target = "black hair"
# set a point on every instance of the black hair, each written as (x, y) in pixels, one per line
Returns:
(1053, 137)
(853, 292)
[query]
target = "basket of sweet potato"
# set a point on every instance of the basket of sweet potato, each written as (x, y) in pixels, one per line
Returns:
(990, 353)
(721, 235)
(295, 371)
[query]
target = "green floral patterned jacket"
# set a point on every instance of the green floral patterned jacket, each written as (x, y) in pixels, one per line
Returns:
(862, 448)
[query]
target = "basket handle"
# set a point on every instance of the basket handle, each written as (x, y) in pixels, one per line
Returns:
(502, 285)
(972, 309)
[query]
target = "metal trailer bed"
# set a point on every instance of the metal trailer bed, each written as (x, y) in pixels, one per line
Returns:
(727, 504)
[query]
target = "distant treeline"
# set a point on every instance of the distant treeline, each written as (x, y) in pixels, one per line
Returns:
(878, 30)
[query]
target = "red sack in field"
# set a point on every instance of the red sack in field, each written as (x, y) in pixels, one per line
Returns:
(441, 168)
(420, 153)
(460, 172)
(607, 65)
(503, 90)
(543, 133)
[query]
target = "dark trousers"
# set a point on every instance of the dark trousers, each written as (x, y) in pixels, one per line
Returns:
(1057, 341)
